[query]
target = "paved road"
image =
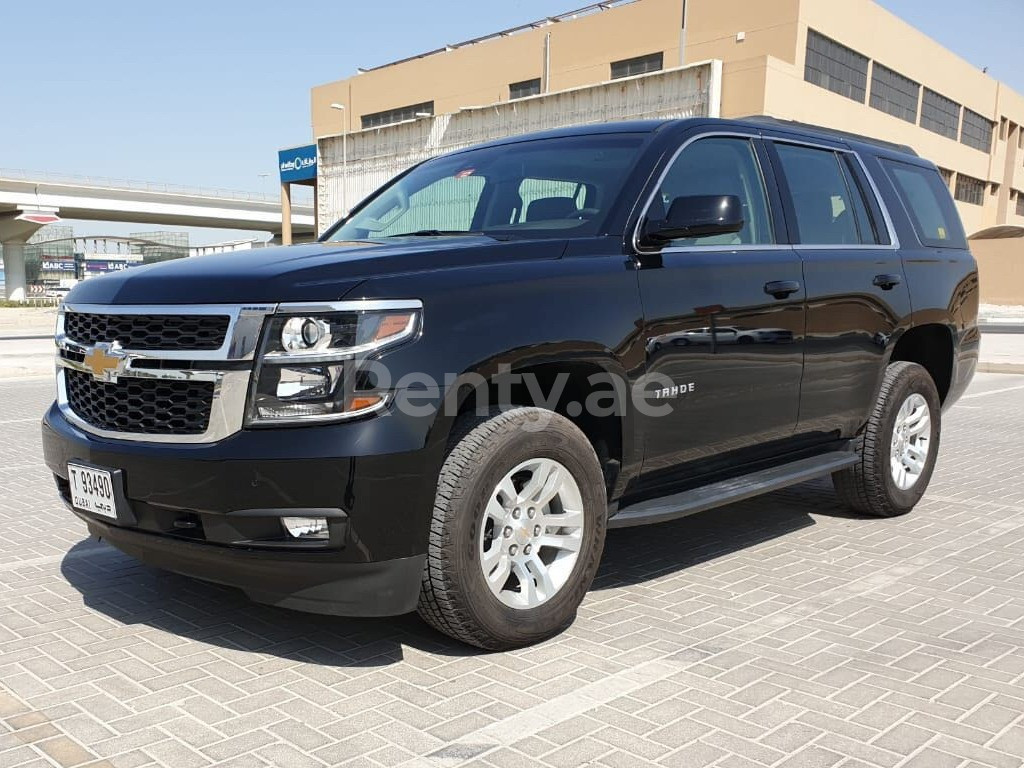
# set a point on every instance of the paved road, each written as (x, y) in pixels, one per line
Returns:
(777, 632)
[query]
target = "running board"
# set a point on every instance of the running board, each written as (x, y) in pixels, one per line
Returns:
(728, 491)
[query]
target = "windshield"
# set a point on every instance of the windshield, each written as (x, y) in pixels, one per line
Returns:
(547, 187)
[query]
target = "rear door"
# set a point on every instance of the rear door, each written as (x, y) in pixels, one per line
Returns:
(857, 295)
(725, 350)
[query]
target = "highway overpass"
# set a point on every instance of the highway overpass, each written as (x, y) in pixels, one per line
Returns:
(28, 201)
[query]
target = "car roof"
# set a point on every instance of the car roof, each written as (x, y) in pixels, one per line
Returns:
(756, 123)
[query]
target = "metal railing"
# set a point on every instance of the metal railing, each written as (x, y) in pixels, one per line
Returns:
(102, 182)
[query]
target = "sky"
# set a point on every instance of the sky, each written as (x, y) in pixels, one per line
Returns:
(205, 93)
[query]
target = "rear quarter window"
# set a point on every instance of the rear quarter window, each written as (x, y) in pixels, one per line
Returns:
(927, 201)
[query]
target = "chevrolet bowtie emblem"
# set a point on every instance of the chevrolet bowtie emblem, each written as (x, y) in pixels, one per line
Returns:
(106, 361)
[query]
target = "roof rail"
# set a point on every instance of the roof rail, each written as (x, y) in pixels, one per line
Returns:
(779, 122)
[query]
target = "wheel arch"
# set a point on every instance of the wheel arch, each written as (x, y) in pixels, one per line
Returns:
(562, 383)
(930, 345)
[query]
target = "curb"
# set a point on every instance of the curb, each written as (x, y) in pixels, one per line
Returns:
(989, 367)
(990, 327)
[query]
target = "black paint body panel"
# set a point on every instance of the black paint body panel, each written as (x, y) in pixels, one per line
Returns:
(804, 379)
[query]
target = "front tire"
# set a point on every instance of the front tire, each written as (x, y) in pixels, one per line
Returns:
(517, 531)
(898, 448)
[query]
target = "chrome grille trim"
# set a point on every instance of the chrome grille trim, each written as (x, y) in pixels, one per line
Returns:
(227, 410)
(239, 343)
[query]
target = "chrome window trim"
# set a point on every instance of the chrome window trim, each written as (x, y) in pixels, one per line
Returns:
(894, 243)
(639, 249)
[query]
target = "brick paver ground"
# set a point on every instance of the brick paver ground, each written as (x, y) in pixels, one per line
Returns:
(777, 632)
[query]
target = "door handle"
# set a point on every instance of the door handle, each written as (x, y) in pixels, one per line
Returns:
(780, 289)
(887, 282)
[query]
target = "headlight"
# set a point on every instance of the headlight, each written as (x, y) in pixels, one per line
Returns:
(308, 368)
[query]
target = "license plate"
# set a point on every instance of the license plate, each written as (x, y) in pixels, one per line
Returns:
(92, 490)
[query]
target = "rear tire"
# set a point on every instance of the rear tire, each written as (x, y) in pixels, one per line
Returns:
(478, 584)
(898, 448)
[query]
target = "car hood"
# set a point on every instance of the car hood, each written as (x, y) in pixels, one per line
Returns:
(313, 272)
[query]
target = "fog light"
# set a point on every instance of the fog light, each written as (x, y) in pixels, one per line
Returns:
(307, 528)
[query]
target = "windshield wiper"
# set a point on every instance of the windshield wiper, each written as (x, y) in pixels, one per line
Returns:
(453, 233)
(437, 233)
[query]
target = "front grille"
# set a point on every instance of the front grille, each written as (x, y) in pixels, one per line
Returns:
(148, 332)
(146, 406)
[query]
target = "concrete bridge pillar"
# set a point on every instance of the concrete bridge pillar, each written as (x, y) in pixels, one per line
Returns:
(15, 230)
(14, 269)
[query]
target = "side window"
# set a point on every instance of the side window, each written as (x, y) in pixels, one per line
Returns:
(449, 203)
(719, 166)
(829, 202)
(546, 199)
(926, 198)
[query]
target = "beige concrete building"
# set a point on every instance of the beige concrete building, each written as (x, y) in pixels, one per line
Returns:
(851, 65)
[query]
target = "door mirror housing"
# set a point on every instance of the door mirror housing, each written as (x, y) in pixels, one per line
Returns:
(695, 216)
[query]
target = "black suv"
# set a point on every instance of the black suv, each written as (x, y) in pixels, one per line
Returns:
(444, 403)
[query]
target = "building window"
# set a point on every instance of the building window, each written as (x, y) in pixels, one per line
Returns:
(947, 176)
(894, 94)
(399, 115)
(652, 62)
(835, 67)
(939, 114)
(523, 89)
(969, 190)
(1020, 203)
(977, 131)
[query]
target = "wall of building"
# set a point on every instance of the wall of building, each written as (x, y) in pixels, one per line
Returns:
(763, 48)
(764, 74)
(767, 28)
(1001, 270)
(480, 73)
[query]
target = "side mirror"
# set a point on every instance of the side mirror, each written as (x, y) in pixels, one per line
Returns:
(696, 216)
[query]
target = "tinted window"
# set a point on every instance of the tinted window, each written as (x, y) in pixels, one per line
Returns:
(829, 204)
(927, 201)
(719, 166)
(447, 204)
(542, 198)
(556, 187)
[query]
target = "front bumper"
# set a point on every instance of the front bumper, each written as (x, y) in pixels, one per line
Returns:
(212, 511)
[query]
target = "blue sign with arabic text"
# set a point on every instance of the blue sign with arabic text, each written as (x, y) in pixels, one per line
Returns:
(297, 163)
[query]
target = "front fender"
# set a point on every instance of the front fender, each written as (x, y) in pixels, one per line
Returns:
(480, 321)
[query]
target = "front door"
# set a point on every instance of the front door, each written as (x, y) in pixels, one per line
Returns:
(724, 318)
